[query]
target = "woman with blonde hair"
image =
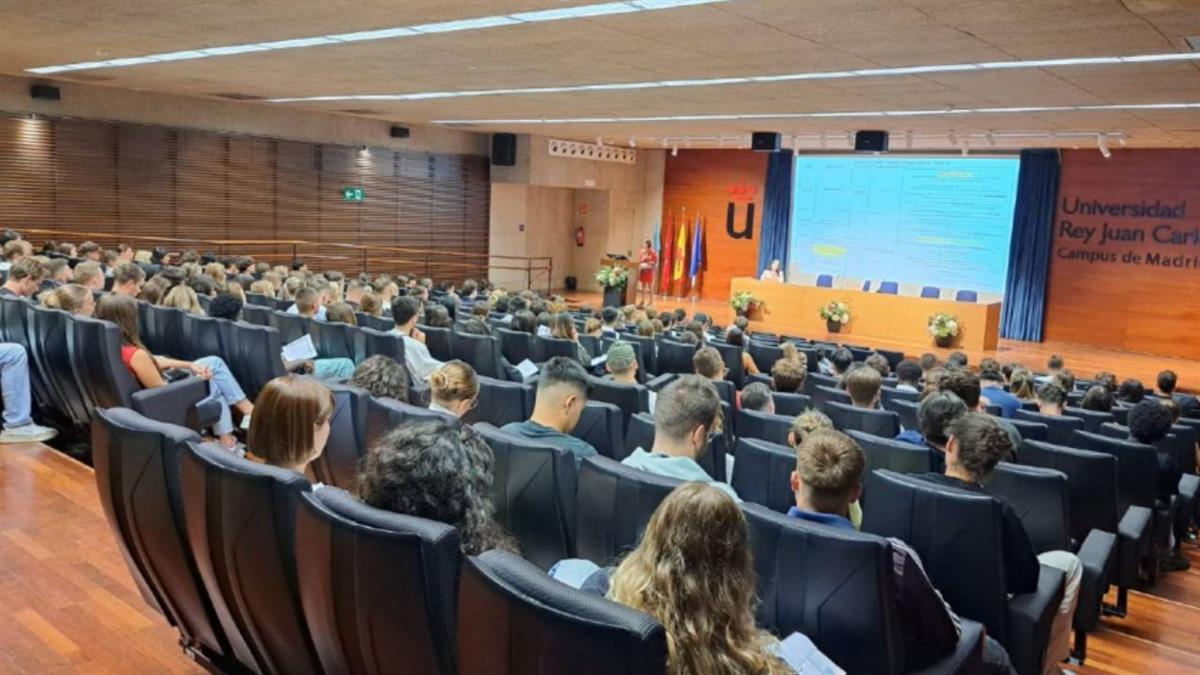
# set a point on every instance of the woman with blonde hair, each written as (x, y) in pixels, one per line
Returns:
(183, 297)
(216, 272)
(454, 388)
(370, 304)
(71, 298)
(694, 573)
(1023, 386)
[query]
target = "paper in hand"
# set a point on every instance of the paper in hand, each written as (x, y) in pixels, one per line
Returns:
(300, 349)
(803, 656)
(527, 369)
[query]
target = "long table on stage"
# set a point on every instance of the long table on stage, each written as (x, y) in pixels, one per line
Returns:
(795, 309)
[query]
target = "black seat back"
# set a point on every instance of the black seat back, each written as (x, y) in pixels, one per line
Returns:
(640, 434)
(732, 356)
(817, 379)
(835, 586)
(516, 345)
(377, 587)
(259, 300)
(765, 354)
(338, 464)
(822, 395)
(1034, 431)
(763, 473)
(675, 357)
(335, 340)
(137, 463)
(241, 526)
(603, 426)
(885, 453)
(383, 343)
(385, 414)
(1041, 498)
(254, 355)
(1092, 419)
(958, 536)
(15, 327)
(95, 347)
(379, 323)
(162, 332)
(513, 619)
(1091, 483)
(546, 348)
(56, 337)
(259, 315)
(291, 327)
(440, 342)
(481, 351)
(533, 488)
(1137, 467)
(614, 505)
(892, 393)
(907, 410)
(883, 423)
(791, 405)
(1058, 427)
(763, 426)
(501, 402)
(1184, 443)
(630, 399)
(203, 336)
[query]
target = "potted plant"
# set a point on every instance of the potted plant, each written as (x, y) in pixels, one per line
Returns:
(944, 328)
(614, 280)
(835, 314)
(744, 302)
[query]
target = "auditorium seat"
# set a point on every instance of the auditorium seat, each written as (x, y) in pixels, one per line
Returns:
(885, 453)
(764, 426)
(291, 327)
(603, 426)
(884, 423)
(837, 587)
(385, 414)
(258, 300)
(137, 462)
(383, 343)
(631, 399)
(957, 534)
(546, 348)
(764, 354)
(335, 340)
(338, 464)
(379, 589)
(534, 490)
(54, 333)
(481, 351)
(763, 473)
(1040, 497)
(732, 356)
(1036, 431)
(203, 336)
(185, 403)
(441, 343)
(891, 394)
(824, 281)
(1092, 419)
(379, 323)
(95, 350)
(822, 395)
(639, 434)
(791, 404)
(16, 327)
(254, 355)
(515, 620)
(501, 402)
(1092, 491)
(888, 287)
(931, 292)
(614, 505)
(241, 526)
(966, 296)
(1058, 427)
(515, 345)
(675, 357)
(162, 331)
(259, 315)
(907, 411)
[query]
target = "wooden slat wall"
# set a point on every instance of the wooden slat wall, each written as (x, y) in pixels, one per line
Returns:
(89, 176)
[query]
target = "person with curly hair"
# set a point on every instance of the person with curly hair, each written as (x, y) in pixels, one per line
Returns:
(383, 377)
(439, 470)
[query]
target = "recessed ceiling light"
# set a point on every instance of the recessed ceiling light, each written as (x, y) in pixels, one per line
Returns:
(471, 23)
(791, 77)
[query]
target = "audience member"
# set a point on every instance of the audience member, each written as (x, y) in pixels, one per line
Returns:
(436, 316)
(976, 444)
(1065, 379)
(24, 278)
(957, 360)
(1097, 398)
(416, 355)
(14, 384)
(1131, 392)
(90, 275)
(880, 363)
(71, 298)
(622, 363)
(1188, 404)
(757, 397)
(1022, 385)
(737, 338)
(1107, 380)
(708, 364)
(863, 385)
(787, 375)
(908, 376)
(382, 377)
(928, 362)
(370, 305)
(184, 298)
(991, 382)
(806, 423)
(128, 279)
(686, 412)
(934, 416)
(225, 306)
(840, 361)
(1051, 398)
(341, 312)
(291, 426)
(1054, 365)
(562, 327)
(562, 393)
(966, 386)
(440, 470)
(454, 389)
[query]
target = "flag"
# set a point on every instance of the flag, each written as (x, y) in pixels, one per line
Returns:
(697, 253)
(656, 241)
(681, 242)
(664, 258)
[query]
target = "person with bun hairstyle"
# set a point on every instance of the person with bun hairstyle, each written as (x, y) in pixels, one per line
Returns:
(292, 424)
(71, 298)
(454, 388)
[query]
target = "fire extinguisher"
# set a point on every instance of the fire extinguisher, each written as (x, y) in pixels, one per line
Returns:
(579, 236)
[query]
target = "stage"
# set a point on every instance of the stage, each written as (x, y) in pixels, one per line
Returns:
(1083, 360)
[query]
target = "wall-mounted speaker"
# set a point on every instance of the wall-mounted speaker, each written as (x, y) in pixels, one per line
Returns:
(44, 92)
(504, 149)
(766, 141)
(399, 132)
(871, 141)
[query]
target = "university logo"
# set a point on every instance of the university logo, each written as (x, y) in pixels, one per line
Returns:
(740, 192)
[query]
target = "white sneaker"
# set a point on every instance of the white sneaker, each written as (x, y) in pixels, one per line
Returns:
(29, 433)
(245, 425)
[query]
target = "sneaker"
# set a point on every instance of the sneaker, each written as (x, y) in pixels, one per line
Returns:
(1175, 562)
(29, 433)
(245, 423)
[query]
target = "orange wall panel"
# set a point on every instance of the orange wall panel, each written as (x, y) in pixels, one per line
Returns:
(707, 182)
(1125, 263)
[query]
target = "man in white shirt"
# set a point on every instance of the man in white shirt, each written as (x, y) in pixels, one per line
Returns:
(405, 310)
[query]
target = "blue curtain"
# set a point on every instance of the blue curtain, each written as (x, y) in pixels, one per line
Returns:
(777, 210)
(1029, 253)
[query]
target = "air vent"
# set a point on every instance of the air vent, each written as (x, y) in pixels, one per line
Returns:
(361, 111)
(234, 96)
(1194, 43)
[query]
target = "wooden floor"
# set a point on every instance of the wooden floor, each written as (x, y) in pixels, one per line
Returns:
(1085, 361)
(69, 605)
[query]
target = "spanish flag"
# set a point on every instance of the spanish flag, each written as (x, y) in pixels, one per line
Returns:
(679, 273)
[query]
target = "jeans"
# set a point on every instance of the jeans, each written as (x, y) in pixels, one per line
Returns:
(14, 382)
(1059, 646)
(224, 388)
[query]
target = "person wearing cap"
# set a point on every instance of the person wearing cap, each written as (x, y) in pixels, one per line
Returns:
(622, 363)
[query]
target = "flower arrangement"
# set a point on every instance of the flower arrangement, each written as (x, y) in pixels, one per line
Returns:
(943, 325)
(836, 312)
(612, 277)
(742, 301)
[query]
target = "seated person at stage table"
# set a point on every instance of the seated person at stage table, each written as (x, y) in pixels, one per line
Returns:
(908, 376)
(440, 470)
(562, 393)
(405, 311)
(292, 424)
(863, 385)
(826, 482)
(1189, 406)
(992, 389)
(18, 407)
(976, 444)
(621, 363)
(687, 411)
(1051, 398)
(774, 272)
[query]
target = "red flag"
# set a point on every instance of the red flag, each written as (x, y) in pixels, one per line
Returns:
(664, 258)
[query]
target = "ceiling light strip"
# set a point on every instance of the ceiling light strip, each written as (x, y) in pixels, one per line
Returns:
(819, 115)
(473, 23)
(785, 77)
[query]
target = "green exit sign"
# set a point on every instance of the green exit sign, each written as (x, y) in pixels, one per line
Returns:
(353, 194)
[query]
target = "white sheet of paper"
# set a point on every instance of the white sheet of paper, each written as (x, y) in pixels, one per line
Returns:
(803, 656)
(299, 349)
(653, 400)
(527, 369)
(600, 360)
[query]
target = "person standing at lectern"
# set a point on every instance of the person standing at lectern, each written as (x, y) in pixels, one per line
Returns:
(774, 272)
(647, 263)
